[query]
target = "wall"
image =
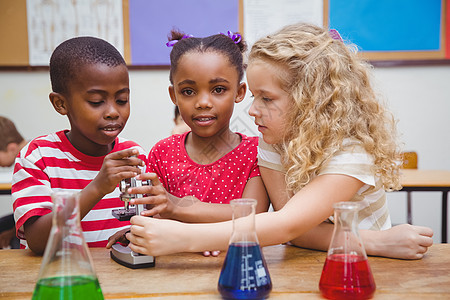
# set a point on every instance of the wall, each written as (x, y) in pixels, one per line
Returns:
(418, 96)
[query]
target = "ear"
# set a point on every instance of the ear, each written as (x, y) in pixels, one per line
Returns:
(12, 149)
(172, 95)
(241, 92)
(59, 102)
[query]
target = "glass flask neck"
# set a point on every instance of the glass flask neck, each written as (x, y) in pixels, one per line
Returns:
(66, 269)
(243, 221)
(346, 272)
(66, 252)
(346, 239)
(346, 216)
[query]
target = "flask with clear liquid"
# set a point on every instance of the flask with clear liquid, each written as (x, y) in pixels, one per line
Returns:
(66, 270)
(244, 272)
(346, 273)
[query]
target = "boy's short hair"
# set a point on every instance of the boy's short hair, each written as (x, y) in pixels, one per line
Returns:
(74, 53)
(8, 133)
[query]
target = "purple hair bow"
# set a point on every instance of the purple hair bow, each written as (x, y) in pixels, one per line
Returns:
(236, 37)
(335, 35)
(173, 42)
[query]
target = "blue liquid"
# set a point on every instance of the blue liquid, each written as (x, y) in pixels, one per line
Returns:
(244, 273)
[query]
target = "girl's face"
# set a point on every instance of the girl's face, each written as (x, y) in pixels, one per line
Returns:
(270, 102)
(97, 106)
(205, 88)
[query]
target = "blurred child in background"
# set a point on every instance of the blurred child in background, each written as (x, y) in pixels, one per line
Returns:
(11, 141)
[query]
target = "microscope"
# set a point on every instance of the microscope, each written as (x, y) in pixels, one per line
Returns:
(121, 254)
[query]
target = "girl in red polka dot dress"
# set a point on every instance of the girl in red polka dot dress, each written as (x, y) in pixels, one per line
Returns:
(195, 173)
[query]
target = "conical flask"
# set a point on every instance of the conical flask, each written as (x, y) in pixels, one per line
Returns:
(66, 271)
(244, 272)
(346, 273)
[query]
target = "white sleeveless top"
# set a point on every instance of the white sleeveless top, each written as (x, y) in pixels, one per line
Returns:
(352, 161)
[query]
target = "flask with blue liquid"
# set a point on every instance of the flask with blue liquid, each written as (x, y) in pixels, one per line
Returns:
(244, 272)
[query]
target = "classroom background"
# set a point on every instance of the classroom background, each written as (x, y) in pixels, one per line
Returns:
(416, 90)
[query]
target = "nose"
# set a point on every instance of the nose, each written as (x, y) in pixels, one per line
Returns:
(203, 101)
(253, 111)
(111, 111)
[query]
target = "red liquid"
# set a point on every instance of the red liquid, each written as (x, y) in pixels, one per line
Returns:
(346, 276)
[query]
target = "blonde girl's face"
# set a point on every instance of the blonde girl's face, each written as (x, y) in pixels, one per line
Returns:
(270, 102)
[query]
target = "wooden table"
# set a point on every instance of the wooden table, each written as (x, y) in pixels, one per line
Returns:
(5, 188)
(414, 180)
(295, 274)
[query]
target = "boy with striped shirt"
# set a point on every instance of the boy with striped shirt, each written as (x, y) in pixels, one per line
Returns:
(90, 86)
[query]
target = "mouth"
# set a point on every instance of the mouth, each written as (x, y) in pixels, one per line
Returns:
(204, 120)
(112, 128)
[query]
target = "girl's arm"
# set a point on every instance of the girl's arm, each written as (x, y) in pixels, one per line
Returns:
(308, 208)
(403, 241)
(191, 210)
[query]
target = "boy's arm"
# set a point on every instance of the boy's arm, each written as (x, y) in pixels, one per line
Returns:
(116, 166)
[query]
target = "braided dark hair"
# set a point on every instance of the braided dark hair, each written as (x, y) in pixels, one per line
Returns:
(220, 43)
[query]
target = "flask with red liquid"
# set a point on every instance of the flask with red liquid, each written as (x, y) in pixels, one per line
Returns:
(346, 273)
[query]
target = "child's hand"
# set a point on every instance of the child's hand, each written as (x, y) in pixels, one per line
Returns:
(403, 241)
(118, 237)
(158, 201)
(157, 237)
(117, 166)
(211, 253)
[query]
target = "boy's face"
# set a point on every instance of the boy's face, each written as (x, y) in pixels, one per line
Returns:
(98, 107)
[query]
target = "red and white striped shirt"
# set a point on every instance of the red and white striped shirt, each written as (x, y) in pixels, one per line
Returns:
(50, 163)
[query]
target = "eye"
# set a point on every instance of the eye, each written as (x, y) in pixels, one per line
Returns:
(265, 99)
(95, 102)
(187, 92)
(219, 90)
(122, 101)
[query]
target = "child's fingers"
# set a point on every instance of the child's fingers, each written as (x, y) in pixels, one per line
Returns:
(127, 157)
(150, 176)
(422, 230)
(138, 222)
(211, 253)
(137, 248)
(116, 237)
(425, 241)
(122, 154)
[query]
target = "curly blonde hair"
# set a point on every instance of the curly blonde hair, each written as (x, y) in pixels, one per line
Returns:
(332, 100)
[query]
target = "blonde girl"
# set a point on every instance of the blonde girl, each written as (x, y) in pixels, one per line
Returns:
(325, 139)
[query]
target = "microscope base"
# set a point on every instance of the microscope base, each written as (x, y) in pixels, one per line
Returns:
(124, 256)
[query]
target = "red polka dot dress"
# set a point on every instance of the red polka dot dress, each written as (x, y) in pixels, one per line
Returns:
(218, 182)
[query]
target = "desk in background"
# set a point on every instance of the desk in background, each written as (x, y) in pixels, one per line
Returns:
(415, 180)
(295, 274)
(5, 188)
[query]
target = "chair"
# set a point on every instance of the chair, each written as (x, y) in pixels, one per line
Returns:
(409, 161)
